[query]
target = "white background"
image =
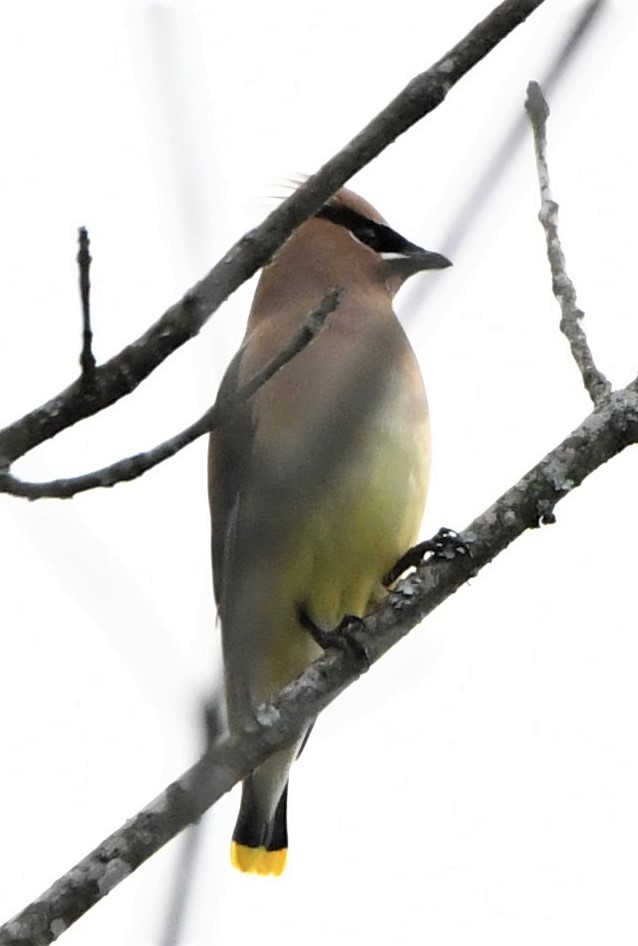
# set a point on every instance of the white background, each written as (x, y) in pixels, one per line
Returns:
(479, 785)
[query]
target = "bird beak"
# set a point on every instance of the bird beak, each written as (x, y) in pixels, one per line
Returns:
(428, 260)
(409, 260)
(423, 259)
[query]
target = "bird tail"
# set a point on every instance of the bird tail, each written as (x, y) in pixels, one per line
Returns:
(259, 845)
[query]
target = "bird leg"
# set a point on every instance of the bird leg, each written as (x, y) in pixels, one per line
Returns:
(341, 638)
(444, 545)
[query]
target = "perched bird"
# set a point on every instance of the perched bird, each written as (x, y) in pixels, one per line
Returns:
(317, 483)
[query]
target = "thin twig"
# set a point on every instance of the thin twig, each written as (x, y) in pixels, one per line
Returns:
(132, 467)
(601, 436)
(125, 371)
(597, 385)
(87, 358)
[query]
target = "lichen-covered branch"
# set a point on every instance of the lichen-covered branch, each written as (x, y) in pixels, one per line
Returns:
(597, 385)
(603, 434)
(183, 320)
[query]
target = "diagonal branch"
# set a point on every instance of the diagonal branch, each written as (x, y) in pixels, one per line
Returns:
(601, 436)
(597, 385)
(132, 467)
(183, 320)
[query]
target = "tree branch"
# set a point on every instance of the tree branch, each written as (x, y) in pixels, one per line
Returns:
(132, 467)
(603, 434)
(183, 320)
(597, 385)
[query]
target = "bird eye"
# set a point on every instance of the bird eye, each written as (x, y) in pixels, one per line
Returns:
(366, 234)
(359, 238)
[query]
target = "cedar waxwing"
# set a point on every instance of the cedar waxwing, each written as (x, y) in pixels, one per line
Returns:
(318, 483)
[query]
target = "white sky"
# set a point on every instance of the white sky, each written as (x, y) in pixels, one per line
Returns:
(480, 783)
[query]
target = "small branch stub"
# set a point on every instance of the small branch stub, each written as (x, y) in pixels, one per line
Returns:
(87, 359)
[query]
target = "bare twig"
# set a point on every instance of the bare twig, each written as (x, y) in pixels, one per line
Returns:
(122, 373)
(601, 436)
(87, 358)
(132, 467)
(597, 385)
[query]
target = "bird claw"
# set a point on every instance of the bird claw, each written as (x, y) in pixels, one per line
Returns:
(446, 544)
(341, 638)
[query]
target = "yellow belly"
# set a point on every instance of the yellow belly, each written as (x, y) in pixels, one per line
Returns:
(364, 518)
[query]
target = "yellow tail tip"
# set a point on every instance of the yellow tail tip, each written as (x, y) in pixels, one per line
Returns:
(258, 860)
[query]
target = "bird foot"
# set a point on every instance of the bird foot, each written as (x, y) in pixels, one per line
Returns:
(341, 638)
(446, 544)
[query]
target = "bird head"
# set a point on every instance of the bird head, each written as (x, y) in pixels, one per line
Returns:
(396, 257)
